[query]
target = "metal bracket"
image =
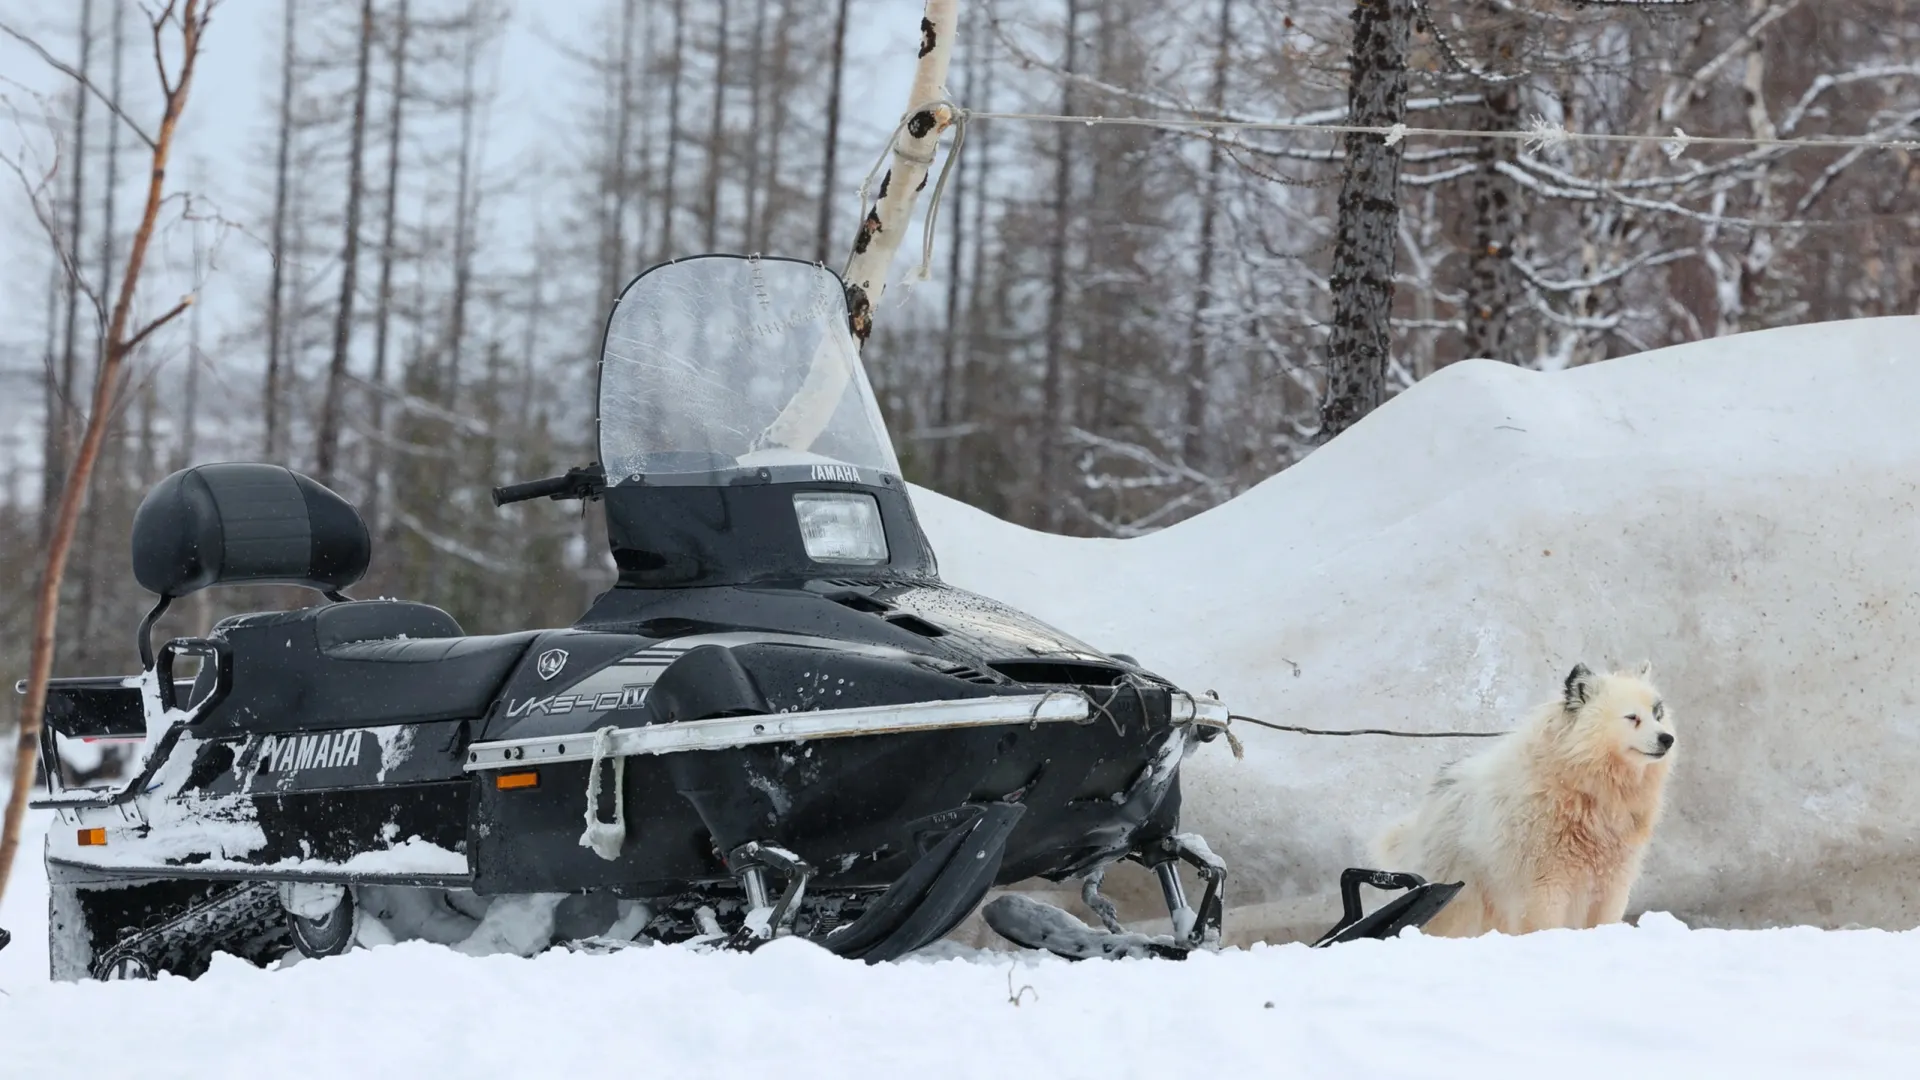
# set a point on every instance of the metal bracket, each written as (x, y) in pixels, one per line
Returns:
(1194, 927)
(750, 862)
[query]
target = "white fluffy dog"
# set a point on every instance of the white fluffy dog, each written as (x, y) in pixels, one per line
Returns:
(1548, 827)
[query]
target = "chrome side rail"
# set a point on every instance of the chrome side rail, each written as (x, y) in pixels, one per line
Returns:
(726, 732)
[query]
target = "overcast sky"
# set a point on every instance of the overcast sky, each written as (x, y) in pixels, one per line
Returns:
(225, 145)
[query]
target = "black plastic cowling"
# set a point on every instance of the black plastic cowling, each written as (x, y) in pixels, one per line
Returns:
(245, 523)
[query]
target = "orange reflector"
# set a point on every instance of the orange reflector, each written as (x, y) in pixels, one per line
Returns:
(507, 781)
(93, 838)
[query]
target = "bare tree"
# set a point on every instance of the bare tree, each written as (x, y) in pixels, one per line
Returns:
(823, 239)
(673, 126)
(383, 292)
(1368, 233)
(1192, 437)
(329, 437)
(60, 420)
(189, 24)
(277, 288)
(716, 146)
(1053, 395)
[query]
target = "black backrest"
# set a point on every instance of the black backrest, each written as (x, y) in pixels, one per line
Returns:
(242, 523)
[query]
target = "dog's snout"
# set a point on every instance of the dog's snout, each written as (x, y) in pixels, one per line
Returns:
(1666, 740)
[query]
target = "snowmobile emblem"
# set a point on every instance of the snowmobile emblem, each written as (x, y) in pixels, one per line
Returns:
(551, 662)
(293, 753)
(841, 474)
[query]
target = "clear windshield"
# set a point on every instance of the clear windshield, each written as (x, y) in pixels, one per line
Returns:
(728, 362)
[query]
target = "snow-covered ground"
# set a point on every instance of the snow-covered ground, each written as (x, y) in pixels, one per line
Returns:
(1616, 1002)
(1740, 511)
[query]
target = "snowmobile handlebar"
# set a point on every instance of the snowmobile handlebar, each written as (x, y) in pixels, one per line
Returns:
(583, 482)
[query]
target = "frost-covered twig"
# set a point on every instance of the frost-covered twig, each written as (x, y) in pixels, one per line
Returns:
(1650, 259)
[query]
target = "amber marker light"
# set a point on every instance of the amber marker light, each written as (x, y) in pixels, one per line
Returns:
(93, 838)
(510, 781)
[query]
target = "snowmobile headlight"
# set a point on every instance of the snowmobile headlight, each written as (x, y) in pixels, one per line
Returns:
(841, 527)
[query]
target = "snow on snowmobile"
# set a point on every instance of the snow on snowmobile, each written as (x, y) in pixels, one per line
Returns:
(779, 721)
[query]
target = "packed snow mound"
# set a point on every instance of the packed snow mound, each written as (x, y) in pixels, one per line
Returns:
(1739, 511)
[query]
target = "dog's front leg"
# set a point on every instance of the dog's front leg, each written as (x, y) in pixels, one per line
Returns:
(1549, 907)
(1609, 900)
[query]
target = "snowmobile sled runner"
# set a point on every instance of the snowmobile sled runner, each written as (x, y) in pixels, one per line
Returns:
(778, 721)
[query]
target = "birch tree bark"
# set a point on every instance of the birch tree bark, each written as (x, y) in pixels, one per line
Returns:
(189, 24)
(885, 224)
(881, 231)
(1367, 240)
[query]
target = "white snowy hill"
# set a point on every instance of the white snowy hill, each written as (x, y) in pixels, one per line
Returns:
(1741, 511)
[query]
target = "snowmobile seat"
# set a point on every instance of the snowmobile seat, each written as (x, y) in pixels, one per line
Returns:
(358, 663)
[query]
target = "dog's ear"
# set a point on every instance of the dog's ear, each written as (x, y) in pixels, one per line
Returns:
(1579, 687)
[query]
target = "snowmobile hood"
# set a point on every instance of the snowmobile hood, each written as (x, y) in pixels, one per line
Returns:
(834, 644)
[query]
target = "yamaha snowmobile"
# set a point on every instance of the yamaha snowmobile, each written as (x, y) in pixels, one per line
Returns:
(779, 721)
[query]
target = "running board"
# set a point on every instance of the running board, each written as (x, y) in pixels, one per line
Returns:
(1421, 901)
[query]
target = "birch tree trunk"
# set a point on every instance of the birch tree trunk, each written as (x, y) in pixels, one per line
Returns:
(885, 225)
(1367, 239)
(122, 340)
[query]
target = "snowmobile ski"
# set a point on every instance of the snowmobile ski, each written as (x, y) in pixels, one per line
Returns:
(1421, 901)
(1034, 924)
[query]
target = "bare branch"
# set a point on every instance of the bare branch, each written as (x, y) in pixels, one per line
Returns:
(85, 83)
(1651, 259)
(173, 313)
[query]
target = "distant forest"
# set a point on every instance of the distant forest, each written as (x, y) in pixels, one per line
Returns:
(1123, 325)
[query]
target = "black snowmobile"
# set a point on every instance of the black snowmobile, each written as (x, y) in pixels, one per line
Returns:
(779, 721)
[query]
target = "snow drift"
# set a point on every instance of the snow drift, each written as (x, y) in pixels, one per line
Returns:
(1741, 511)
